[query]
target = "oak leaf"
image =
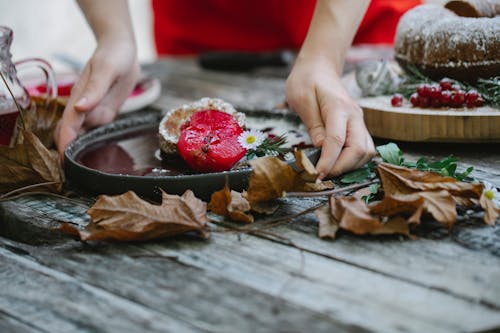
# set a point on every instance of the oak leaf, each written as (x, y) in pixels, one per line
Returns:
(127, 217)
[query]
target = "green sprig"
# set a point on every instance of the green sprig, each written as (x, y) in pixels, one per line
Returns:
(270, 146)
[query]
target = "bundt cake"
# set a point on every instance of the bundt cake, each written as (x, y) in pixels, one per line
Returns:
(460, 41)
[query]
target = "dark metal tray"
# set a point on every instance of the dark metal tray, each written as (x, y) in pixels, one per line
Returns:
(124, 155)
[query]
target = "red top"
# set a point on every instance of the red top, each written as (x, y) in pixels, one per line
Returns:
(192, 26)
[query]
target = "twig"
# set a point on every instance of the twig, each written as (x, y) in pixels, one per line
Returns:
(268, 223)
(6, 195)
(332, 191)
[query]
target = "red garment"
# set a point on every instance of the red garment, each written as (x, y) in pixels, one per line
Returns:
(192, 26)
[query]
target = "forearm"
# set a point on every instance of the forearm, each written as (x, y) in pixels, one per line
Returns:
(108, 19)
(332, 30)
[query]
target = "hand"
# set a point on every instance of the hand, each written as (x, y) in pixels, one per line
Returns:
(333, 120)
(106, 81)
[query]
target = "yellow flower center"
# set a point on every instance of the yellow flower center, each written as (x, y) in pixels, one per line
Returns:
(489, 194)
(251, 139)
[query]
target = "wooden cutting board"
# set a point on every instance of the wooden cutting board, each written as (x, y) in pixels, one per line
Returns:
(409, 123)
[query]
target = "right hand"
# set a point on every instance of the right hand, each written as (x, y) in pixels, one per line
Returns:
(104, 84)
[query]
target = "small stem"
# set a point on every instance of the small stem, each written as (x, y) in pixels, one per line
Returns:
(8, 194)
(330, 192)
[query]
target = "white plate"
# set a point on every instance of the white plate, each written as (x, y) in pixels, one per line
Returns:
(147, 90)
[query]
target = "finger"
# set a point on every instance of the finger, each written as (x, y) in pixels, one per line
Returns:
(92, 90)
(109, 106)
(68, 128)
(357, 151)
(336, 124)
(308, 110)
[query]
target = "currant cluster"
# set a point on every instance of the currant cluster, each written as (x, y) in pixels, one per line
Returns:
(445, 93)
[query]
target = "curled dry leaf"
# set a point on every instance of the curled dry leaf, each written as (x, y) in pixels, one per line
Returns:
(491, 211)
(400, 180)
(41, 120)
(269, 179)
(307, 171)
(353, 215)
(230, 204)
(439, 204)
(129, 218)
(328, 225)
(29, 163)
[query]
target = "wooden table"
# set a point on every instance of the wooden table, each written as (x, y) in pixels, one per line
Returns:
(290, 282)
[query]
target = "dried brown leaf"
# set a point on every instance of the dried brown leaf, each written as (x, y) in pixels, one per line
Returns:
(491, 211)
(397, 225)
(328, 225)
(127, 217)
(353, 215)
(265, 207)
(301, 186)
(439, 204)
(400, 180)
(29, 163)
(307, 171)
(270, 178)
(230, 204)
(41, 119)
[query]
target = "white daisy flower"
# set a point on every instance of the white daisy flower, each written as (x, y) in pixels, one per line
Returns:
(491, 192)
(251, 139)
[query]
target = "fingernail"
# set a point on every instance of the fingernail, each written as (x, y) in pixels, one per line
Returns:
(81, 102)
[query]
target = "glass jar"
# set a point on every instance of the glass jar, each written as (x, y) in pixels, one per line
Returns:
(13, 95)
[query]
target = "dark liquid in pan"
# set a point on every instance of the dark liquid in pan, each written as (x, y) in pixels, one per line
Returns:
(135, 154)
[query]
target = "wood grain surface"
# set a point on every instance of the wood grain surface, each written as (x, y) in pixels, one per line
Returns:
(285, 280)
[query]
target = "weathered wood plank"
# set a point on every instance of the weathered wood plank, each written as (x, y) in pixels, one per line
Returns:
(187, 252)
(435, 263)
(16, 324)
(56, 302)
(207, 301)
(184, 80)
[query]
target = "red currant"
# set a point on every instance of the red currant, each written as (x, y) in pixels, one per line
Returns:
(480, 101)
(445, 98)
(446, 83)
(435, 91)
(397, 100)
(424, 101)
(424, 90)
(414, 99)
(435, 103)
(471, 96)
(457, 98)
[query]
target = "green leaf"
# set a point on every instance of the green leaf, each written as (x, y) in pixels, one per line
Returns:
(356, 176)
(373, 188)
(391, 153)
